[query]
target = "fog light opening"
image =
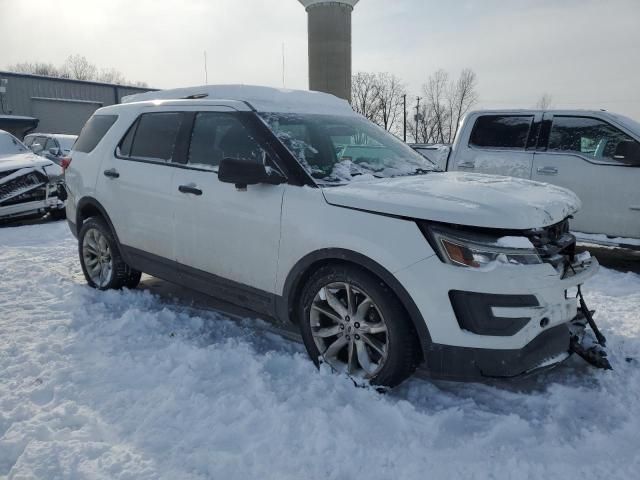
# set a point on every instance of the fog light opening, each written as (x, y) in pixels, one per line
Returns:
(544, 322)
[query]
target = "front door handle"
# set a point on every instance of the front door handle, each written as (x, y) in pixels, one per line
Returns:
(467, 165)
(190, 189)
(111, 173)
(547, 171)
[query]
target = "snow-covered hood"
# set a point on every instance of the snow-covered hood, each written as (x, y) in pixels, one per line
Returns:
(22, 160)
(479, 200)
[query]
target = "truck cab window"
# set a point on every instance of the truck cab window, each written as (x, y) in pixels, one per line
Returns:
(593, 138)
(501, 131)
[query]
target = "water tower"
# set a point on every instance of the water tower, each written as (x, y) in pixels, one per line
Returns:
(329, 24)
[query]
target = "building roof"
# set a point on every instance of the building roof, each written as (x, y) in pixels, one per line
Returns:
(263, 99)
(73, 80)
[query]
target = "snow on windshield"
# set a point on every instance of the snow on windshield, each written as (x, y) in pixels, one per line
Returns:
(10, 145)
(344, 148)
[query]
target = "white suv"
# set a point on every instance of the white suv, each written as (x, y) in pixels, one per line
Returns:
(290, 204)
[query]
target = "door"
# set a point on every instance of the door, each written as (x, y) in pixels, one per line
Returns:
(498, 144)
(135, 185)
(601, 164)
(62, 115)
(223, 234)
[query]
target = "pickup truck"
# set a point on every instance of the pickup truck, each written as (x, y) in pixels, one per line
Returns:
(594, 153)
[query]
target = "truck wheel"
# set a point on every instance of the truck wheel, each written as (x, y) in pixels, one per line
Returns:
(352, 321)
(100, 258)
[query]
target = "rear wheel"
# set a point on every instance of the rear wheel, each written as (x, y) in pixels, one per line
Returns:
(353, 322)
(100, 257)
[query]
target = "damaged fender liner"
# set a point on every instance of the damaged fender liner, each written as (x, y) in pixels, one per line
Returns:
(466, 363)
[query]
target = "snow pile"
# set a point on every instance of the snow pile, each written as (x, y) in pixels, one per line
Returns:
(124, 385)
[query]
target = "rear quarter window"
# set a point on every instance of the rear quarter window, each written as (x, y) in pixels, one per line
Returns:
(93, 131)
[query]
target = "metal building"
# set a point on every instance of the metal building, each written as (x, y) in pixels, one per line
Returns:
(61, 105)
(329, 25)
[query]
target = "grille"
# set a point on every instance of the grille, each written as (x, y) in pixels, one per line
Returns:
(20, 185)
(555, 244)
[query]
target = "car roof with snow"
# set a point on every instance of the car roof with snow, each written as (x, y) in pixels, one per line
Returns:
(261, 99)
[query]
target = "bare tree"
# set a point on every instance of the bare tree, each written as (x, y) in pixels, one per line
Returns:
(544, 102)
(36, 68)
(364, 95)
(389, 96)
(111, 75)
(75, 67)
(463, 97)
(445, 103)
(79, 68)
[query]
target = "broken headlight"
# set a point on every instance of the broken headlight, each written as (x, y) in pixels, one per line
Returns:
(478, 250)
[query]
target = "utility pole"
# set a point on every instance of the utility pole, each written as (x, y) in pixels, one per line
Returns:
(206, 74)
(404, 129)
(417, 117)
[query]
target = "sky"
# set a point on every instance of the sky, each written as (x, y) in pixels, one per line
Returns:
(584, 53)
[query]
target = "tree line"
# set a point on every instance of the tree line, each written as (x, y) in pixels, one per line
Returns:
(432, 117)
(75, 67)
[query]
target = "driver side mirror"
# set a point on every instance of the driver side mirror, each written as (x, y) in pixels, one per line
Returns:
(628, 151)
(247, 172)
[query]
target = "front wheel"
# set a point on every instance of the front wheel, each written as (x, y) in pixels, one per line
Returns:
(354, 323)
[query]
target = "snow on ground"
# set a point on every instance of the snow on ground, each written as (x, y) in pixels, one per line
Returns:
(125, 385)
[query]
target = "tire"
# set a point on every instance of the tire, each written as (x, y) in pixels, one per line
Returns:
(97, 248)
(379, 335)
(133, 279)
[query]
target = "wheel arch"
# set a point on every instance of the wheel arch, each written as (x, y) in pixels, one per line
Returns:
(90, 207)
(310, 263)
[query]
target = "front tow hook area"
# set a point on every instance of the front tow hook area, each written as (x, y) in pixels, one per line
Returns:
(589, 345)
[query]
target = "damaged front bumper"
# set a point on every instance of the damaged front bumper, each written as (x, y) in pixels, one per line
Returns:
(27, 192)
(551, 323)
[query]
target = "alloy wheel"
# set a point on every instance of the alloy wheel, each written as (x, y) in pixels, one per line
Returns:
(349, 330)
(96, 254)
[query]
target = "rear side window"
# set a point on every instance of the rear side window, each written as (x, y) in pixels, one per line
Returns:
(93, 131)
(501, 131)
(152, 137)
(593, 138)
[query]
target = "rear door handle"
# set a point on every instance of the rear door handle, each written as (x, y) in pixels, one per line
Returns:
(111, 173)
(190, 189)
(467, 165)
(547, 171)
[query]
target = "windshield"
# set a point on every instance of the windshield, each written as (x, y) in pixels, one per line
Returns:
(10, 145)
(341, 148)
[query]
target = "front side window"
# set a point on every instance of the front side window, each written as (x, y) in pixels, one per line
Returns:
(593, 138)
(501, 131)
(153, 137)
(38, 144)
(218, 135)
(51, 143)
(341, 148)
(93, 131)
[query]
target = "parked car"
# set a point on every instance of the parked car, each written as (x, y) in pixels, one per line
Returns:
(29, 184)
(54, 146)
(276, 201)
(596, 154)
